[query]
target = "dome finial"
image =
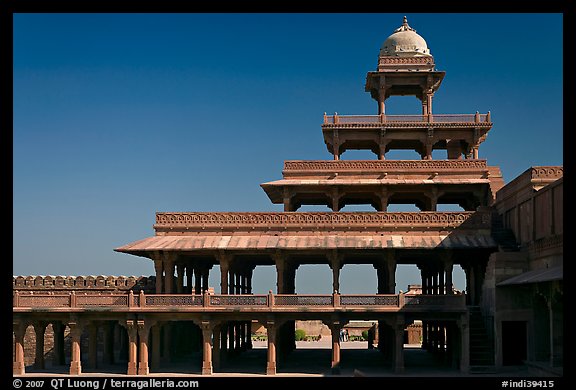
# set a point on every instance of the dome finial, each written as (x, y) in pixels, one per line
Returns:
(405, 26)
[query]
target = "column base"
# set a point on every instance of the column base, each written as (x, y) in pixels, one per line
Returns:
(143, 369)
(75, 368)
(18, 368)
(271, 369)
(131, 369)
(335, 369)
(206, 369)
(399, 369)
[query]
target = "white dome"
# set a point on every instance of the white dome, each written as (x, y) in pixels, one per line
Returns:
(404, 42)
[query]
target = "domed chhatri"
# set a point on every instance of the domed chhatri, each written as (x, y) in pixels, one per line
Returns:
(405, 42)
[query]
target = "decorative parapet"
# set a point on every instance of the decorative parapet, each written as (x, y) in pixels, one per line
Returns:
(23, 303)
(83, 283)
(384, 165)
(350, 221)
(372, 121)
(532, 178)
(424, 60)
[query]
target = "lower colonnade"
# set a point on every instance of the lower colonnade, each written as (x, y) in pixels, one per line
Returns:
(144, 331)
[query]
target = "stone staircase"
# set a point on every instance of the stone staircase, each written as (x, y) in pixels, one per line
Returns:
(504, 237)
(481, 343)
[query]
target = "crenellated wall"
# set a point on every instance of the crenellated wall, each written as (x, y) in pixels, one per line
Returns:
(85, 284)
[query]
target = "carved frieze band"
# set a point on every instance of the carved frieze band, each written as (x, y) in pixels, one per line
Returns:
(83, 282)
(406, 60)
(318, 219)
(547, 172)
(379, 165)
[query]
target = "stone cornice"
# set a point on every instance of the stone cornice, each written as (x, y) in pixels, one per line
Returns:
(384, 165)
(246, 221)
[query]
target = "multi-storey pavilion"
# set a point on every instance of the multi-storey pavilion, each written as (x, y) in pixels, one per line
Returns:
(187, 245)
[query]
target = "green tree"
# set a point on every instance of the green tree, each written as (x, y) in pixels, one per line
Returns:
(300, 335)
(365, 335)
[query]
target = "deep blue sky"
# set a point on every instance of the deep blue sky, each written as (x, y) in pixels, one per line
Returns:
(117, 116)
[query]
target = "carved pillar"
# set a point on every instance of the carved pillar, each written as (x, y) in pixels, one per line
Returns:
(249, 280)
(448, 264)
(464, 344)
(399, 344)
(197, 280)
(271, 361)
(143, 331)
(189, 275)
(75, 360)
(92, 345)
(335, 261)
(180, 278)
(280, 261)
(224, 260)
(336, 140)
(238, 284)
(216, 347)
(205, 275)
(335, 327)
(383, 142)
(169, 274)
(132, 330)
(384, 197)
(335, 197)
(155, 361)
(391, 271)
(206, 348)
(58, 357)
(19, 329)
(167, 341)
(39, 329)
(287, 199)
(159, 268)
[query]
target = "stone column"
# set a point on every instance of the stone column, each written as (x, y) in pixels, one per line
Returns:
(448, 269)
(391, 271)
(75, 334)
(237, 284)
(335, 327)
(224, 340)
(155, 361)
(108, 357)
(249, 281)
(280, 261)
(39, 329)
(143, 331)
(216, 347)
(207, 348)
(169, 275)
(159, 268)
(271, 361)
(205, 274)
(398, 327)
(132, 330)
(335, 261)
(225, 261)
(92, 345)
(19, 329)
(335, 197)
(464, 344)
(167, 341)
(180, 278)
(287, 199)
(197, 280)
(58, 329)
(189, 273)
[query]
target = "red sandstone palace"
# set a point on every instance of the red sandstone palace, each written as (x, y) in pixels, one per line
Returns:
(508, 239)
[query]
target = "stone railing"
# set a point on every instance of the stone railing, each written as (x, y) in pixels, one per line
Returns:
(23, 302)
(88, 283)
(166, 221)
(480, 119)
(383, 165)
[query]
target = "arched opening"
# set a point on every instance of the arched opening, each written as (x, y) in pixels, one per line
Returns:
(358, 279)
(313, 279)
(403, 105)
(367, 153)
(404, 208)
(314, 207)
(358, 208)
(402, 154)
(449, 207)
(264, 279)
